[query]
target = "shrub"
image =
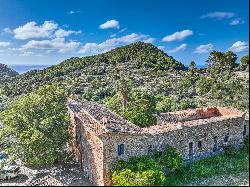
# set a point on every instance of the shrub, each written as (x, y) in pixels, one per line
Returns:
(170, 159)
(138, 171)
(230, 150)
(246, 142)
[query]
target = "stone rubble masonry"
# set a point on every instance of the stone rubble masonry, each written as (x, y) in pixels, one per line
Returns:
(96, 133)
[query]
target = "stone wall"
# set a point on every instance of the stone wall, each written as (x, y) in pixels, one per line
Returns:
(96, 133)
(87, 148)
(139, 144)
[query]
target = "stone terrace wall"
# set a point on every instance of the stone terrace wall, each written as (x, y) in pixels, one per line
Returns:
(137, 145)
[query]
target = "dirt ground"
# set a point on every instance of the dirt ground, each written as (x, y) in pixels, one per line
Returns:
(68, 175)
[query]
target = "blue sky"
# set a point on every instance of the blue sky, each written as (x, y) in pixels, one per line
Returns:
(45, 32)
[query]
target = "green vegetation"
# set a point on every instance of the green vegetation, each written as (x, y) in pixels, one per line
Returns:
(151, 170)
(170, 159)
(231, 162)
(147, 170)
(139, 109)
(138, 171)
(36, 126)
(136, 81)
(245, 62)
(6, 72)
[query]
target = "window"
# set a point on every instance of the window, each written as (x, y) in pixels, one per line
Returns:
(226, 138)
(191, 149)
(199, 144)
(120, 149)
(245, 130)
(215, 148)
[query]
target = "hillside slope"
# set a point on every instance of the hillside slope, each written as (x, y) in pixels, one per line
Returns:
(5, 72)
(97, 74)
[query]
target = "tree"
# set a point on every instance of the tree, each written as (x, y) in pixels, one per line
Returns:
(36, 126)
(123, 87)
(140, 108)
(219, 62)
(245, 62)
(192, 68)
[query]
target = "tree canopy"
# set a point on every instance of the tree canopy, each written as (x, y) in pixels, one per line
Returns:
(35, 126)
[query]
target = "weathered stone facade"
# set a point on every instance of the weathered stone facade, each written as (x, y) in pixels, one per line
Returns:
(97, 133)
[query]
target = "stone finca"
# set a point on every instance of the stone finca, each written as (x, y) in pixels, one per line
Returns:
(99, 137)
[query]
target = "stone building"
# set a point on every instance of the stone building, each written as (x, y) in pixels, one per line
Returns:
(99, 137)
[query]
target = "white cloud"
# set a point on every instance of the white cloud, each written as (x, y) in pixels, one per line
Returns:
(115, 34)
(161, 47)
(239, 46)
(31, 30)
(179, 48)
(56, 44)
(204, 48)
(180, 35)
(61, 33)
(4, 44)
(237, 21)
(30, 53)
(7, 30)
(27, 53)
(110, 24)
(71, 12)
(218, 15)
(48, 29)
(74, 12)
(94, 48)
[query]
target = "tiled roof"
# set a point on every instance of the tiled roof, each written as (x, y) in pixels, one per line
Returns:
(171, 121)
(113, 122)
(194, 114)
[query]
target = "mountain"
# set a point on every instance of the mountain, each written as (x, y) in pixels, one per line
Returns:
(5, 72)
(95, 76)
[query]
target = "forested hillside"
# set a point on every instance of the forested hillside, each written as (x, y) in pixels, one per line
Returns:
(6, 72)
(95, 76)
(142, 71)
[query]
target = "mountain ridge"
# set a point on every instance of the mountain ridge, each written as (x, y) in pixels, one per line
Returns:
(137, 59)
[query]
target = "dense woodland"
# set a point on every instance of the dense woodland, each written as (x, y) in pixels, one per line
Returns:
(136, 81)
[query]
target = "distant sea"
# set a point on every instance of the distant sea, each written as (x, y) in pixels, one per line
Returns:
(25, 68)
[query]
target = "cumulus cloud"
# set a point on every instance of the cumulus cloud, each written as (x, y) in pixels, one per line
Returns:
(179, 48)
(56, 44)
(48, 29)
(61, 33)
(32, 30)
(94, 48)
(180, 35)
(110, 24)
(4, 44)
(237, 21)
(239, 46)
(204, 48)
(218, 15)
